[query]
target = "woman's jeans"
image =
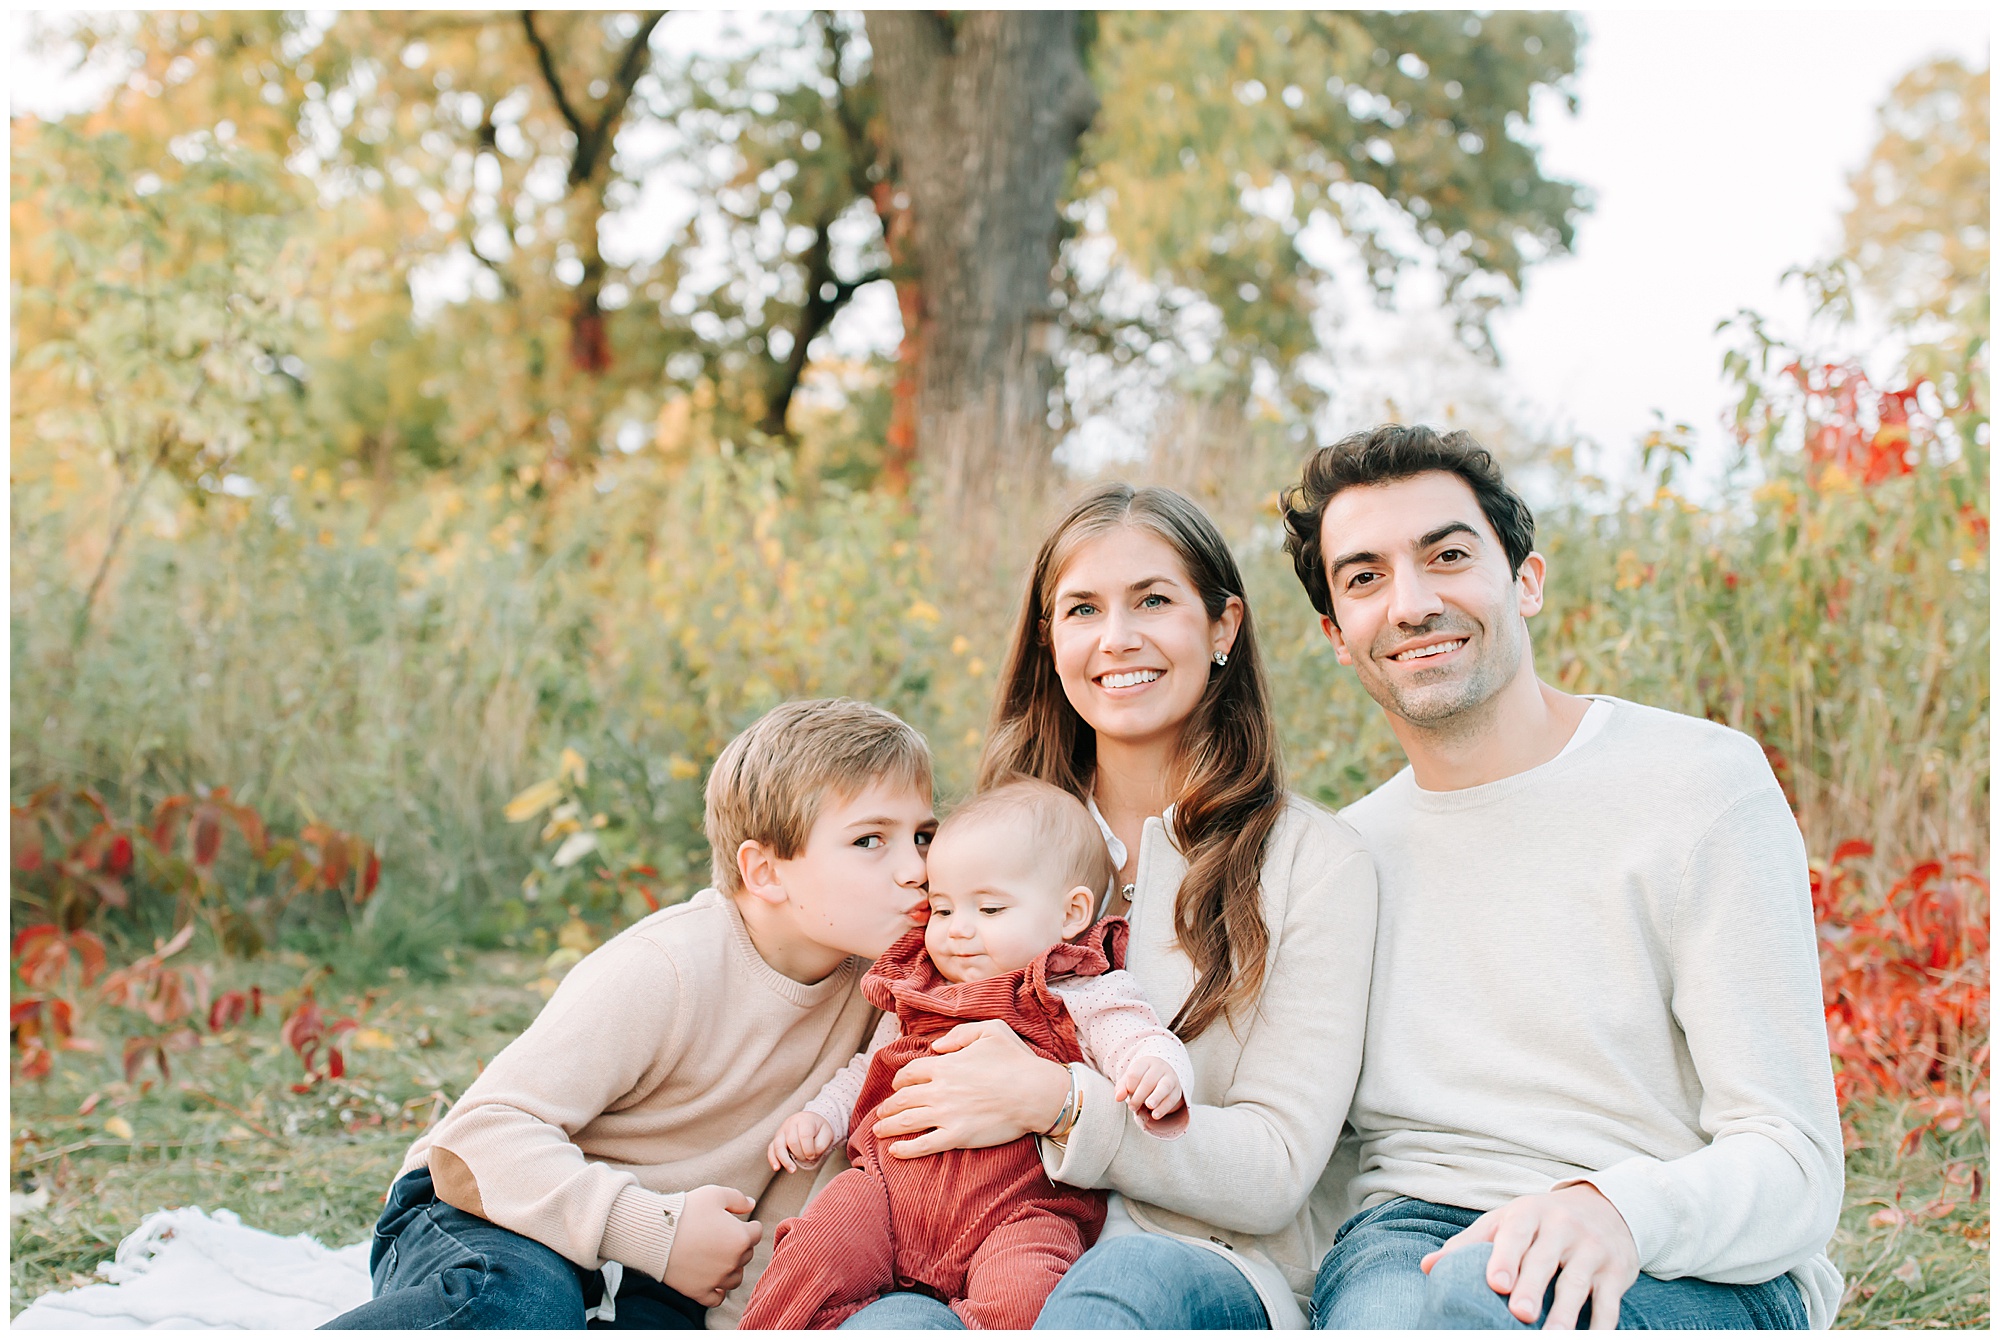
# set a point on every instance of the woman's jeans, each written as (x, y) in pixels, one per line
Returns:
(1140, 1281)
(1371, 1281)
(437, 1268)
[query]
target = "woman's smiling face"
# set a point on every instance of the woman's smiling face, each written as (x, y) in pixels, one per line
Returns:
(1131, 640)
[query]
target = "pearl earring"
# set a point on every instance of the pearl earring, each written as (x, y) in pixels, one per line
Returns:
(1222, 658)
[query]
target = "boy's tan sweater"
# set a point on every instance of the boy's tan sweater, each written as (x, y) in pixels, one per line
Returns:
(665, 1061)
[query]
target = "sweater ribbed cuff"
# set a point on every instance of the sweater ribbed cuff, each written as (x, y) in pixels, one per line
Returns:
(1086, 1153)
(639, 1231)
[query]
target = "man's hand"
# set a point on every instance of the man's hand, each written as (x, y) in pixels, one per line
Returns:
(1574, 1231)
(1149, 1086)
(800, 1143)
(712, 1244)
(983, 1087)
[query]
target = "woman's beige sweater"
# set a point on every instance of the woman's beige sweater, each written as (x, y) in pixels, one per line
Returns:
(1271, 1092)
(665, 1061)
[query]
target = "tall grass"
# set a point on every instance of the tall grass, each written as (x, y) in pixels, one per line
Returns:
(402, 666)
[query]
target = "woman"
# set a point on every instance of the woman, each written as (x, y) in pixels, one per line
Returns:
(1134, 681)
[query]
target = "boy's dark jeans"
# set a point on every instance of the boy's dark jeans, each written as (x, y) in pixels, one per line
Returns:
(437, 1268)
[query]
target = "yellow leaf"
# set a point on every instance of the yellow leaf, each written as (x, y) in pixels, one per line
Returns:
(960, 645)
(924, 612)
(119, 1127)
(373, 1040)
(533, 800)
(683, 768)
(575, 768)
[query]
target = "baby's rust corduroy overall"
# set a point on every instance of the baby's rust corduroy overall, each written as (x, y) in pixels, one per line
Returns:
(983, 1230)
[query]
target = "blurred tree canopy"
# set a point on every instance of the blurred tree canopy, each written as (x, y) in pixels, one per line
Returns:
(525, 241)
(1920, 226)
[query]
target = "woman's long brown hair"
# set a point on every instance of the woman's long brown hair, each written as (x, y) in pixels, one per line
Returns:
(1228, 782)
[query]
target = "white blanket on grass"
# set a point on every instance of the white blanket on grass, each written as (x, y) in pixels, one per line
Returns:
(188, 1270)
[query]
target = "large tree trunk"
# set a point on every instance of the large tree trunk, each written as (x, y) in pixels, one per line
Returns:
(985, 110)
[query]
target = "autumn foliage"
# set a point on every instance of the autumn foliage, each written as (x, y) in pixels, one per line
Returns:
(90, 875)
(1908, 1009)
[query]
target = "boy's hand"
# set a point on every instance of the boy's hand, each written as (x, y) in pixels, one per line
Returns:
(712, 1244)
(800, 1143)
(1149, 1086)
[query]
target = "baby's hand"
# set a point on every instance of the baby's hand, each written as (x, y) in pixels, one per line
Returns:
(801, 1142)
(1149, 1086)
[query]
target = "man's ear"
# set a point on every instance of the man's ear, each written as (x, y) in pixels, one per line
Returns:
(758, 869)
(1332, 631)
(1533, 569)
(1079, 910)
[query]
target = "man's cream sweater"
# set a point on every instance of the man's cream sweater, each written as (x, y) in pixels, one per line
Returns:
(1271, 1087)
(666, 1060)
(1604, 969)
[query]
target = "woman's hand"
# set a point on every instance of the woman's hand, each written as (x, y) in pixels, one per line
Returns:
(983, 1087)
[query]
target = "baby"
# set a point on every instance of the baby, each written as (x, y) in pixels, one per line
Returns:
(1015, 875)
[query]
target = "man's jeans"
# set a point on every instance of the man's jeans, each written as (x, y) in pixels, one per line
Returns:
(437, 1268)
(1371, 1281)
(1140, 1281)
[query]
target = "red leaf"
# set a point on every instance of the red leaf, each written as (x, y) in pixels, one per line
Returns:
(333, 863)
(371, 874)
(1851, 849)
(166, 817)
(118, 860)
(135, 1056)
(36, 1060)
(251, 824)
(227, 1011)
(335, 1066)
(90, 950)
(207, 836)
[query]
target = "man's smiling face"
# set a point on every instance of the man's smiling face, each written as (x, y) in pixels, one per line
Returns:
(1424, 606)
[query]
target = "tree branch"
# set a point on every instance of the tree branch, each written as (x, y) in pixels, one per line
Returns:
(546, 59)
(815, 315)
(592, 139)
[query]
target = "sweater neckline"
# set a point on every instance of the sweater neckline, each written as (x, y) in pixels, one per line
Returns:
(1487, 793)
(805, 995)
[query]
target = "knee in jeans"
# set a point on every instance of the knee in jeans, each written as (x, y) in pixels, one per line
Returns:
(1457, 1296)
(534, 1291)
(1115, 1259)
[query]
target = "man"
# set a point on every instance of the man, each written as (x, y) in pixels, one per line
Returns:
(1595, 1087)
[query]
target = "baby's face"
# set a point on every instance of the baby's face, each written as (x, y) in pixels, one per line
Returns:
(995, 906)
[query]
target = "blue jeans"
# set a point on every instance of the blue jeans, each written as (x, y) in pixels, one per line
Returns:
(437, 1268)
(1140, 1281)
(1371, 1281)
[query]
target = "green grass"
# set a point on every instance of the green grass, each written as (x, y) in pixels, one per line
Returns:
(1911, 1269)
(226, 1131)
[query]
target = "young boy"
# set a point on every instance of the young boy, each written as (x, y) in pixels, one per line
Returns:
(1015, 877)
(604, 1165)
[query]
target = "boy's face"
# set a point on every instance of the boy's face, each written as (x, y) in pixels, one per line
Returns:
(995, 906)
(858, 884)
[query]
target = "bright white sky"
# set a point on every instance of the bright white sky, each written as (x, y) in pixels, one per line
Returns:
(1717, 146)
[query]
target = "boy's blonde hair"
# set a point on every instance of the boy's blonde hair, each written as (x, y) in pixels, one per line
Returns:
(1069, 842)
(769, 782)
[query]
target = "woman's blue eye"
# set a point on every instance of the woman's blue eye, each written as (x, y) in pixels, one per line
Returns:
(1153, 601)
